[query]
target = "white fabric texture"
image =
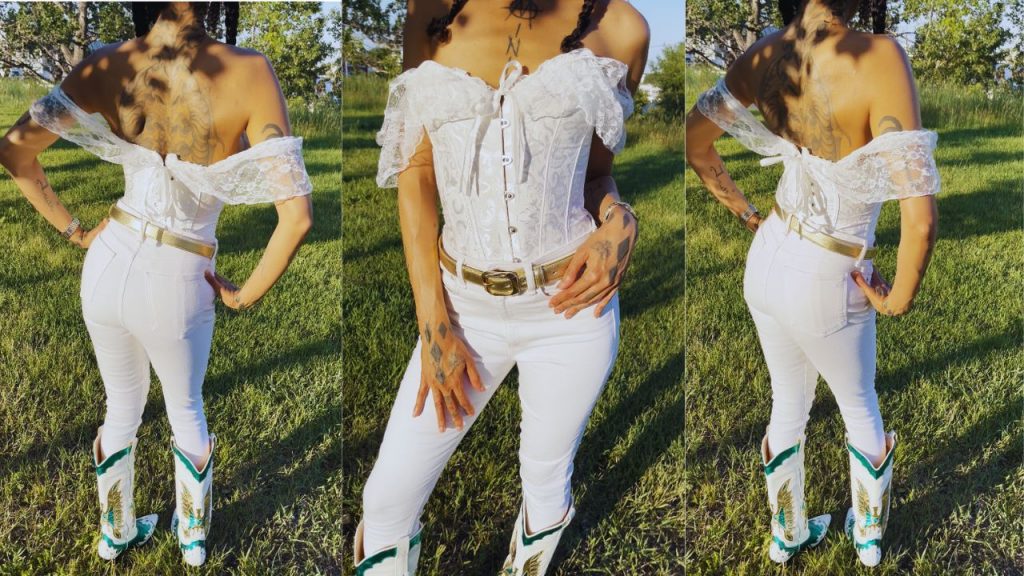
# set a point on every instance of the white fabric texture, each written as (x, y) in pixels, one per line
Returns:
(172, 193)
(563, 366)
(510, 162)
(146, 303)
(842, 198)
(812, 319)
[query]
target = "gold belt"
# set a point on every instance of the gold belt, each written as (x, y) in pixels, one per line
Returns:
(159, 234)
(827, 242)
(505, 282)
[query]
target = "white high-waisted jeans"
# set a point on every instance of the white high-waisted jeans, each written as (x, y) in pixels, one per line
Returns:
(812, 319)
(563, 365)
(146, 303)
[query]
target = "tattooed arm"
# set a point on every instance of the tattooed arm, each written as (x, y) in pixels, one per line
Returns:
(268, 119)
(895, 109)
(702, 156)
(19, 151)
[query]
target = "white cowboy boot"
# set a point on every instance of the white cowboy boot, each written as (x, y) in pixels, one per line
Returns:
(531, 554)
(398, 560)
(193, 508)
(866, 520)
(115, 477)
(791, 530)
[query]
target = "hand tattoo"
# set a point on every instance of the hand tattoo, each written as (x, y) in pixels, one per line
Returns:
(604, 248)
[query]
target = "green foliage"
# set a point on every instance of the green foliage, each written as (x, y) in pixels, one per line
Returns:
(959, 41)
(669, 75)
(44, 38)
(290, 35)
(114, 22)
(371, 33)
(718, 31)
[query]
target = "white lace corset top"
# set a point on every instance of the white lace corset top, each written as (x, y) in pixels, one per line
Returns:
(841, 198)
(510, 162)
(174, 194)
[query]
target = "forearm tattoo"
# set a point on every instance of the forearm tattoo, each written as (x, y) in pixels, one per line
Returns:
(47, 192)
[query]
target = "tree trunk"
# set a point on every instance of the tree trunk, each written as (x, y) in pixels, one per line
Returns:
(753, 25)
(78, 51)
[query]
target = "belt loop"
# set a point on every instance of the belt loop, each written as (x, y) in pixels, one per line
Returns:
(863, 252)
(458, 271)
(531, 281)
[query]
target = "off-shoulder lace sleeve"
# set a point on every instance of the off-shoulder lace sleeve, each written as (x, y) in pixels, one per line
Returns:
(893, 166)
(613, 104)
(400, 134)
(59, 114)
(721, 107)
(270, 171)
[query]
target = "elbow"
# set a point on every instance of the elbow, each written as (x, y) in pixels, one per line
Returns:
(697, 156)
(303, 223)
(925, 230)
(6, 156)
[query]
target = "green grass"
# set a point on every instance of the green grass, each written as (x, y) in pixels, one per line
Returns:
(627, 483)
(949, 373)
(272, 391)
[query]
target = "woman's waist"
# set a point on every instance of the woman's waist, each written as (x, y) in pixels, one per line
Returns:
(501, 249)
(193, 222)
(150, 254)
(802, 249)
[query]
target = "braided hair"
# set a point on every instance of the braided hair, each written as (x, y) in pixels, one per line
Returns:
(145, 15)
(872, 12)
(439, 26)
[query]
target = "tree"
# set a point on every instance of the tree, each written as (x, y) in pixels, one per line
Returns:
(959, 41)
(718, 31)
(290, 35)
(47, 39)
(668, 74)
(371, 33)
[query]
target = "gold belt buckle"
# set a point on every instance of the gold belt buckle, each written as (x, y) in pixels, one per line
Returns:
(501, 282)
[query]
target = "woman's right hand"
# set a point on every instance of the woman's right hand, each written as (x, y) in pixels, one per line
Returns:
(446, 365)
(83, 239)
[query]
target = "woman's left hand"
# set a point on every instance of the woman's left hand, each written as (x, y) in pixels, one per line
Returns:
(229, 293)
(598, 267)
(879, 292)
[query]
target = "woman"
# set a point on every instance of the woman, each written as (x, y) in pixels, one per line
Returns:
(507, 115)
(177, 110)
(842, 116)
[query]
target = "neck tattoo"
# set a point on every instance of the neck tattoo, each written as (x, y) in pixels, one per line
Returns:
(527, 10)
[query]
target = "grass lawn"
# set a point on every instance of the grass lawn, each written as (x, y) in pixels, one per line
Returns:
(628, 475)
(949, 373)
(272, 391)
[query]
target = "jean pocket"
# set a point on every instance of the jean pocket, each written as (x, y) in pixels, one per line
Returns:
(173, 302)
(814, 303)
(97, 261)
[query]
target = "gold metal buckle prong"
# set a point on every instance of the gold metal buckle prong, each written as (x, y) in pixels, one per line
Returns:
(500, 282)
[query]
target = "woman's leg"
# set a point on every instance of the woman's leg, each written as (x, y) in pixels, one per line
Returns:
(563, 366)
(413, 453)
(793, 380)
(124, 369)
(846, 359)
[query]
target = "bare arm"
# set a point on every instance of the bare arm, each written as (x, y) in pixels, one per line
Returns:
(895, 109)
(269, 119)
(702, 156)
(19, 154)
(597, 269)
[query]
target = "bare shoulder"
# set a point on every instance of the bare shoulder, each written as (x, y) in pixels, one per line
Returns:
(884, 51)
(416, 43)
(624, 30)
(744, 74)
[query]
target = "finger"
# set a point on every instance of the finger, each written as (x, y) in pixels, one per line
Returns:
(569, 296)
(421, 397)
(453, 409)
(463, 399)
(868, 291)
(442, 420)
(474, 376)
(586, 301)
(214, 281)
(599, 309)
(572, 271)
(591, 293)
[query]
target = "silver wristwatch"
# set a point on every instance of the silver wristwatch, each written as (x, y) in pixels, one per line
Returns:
(749, 213)
(71, 229)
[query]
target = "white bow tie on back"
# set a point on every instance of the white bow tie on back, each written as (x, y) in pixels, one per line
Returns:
(802, 182)
(487, 111)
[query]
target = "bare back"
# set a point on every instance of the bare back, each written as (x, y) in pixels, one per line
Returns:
(192, 99)
(821, 88)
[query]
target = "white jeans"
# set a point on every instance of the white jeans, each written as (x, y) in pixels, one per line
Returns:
(812, 319)
(563, 365)
(148, 303)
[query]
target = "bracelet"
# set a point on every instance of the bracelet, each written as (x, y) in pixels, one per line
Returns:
(749, 213)
(625, 206)
(71, 229)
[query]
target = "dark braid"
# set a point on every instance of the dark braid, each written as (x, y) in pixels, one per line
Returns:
(573, 41)
(145, 14)
(438, 27)
(871, 12)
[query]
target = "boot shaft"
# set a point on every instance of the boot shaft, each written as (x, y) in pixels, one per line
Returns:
(531, 554)
(193, 497)
(401, 559)
(870, 487)
(784, 476)
(115, 480)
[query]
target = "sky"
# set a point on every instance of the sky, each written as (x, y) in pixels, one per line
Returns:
(665, 17)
